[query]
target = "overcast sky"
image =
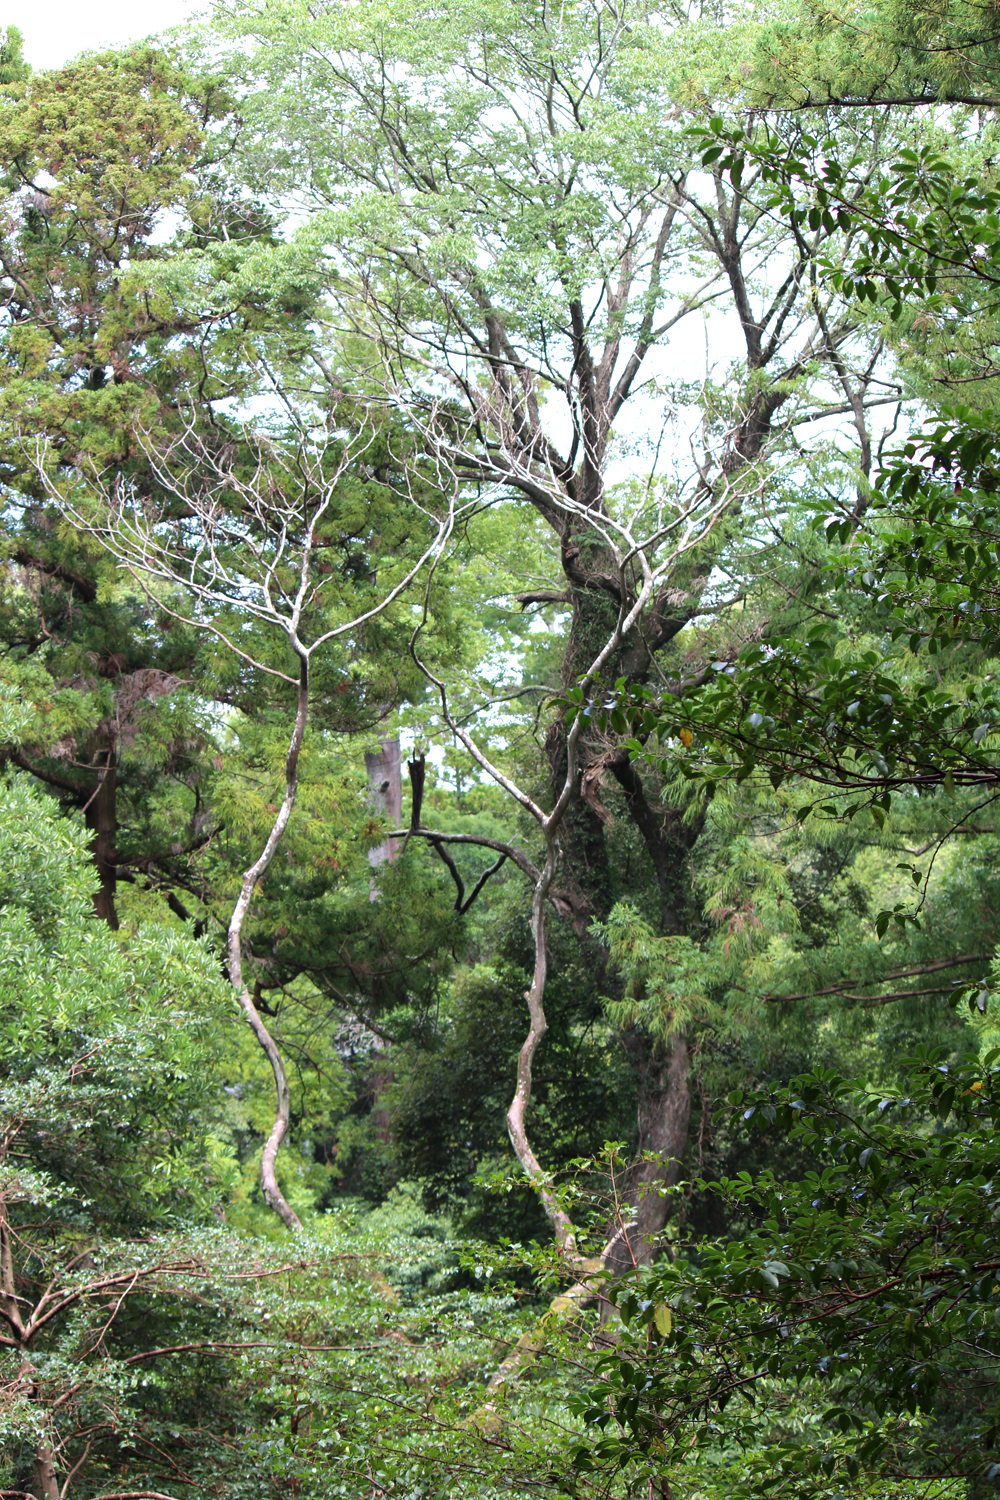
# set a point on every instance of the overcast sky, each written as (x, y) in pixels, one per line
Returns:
(56, 30)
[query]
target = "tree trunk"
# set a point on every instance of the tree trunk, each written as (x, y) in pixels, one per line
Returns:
(663, 1087)
(669, 840)
(385, 794)
(664, 1118)
(46, 1483)
(273, 1195)
(101, 816)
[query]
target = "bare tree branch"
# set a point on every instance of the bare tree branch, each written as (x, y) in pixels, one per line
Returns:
(246, 542)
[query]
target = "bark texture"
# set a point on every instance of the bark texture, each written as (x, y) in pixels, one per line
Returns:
(664, 1121)
(101, 814)
(385, 793)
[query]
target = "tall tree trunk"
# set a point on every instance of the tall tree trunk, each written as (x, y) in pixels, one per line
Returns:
(385, 794)
(101, 816)
(664, 1119)
(662, 1082)
(585, 870)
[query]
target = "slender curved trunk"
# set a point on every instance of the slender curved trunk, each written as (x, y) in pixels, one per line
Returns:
(268, 1177)
(561, 1223)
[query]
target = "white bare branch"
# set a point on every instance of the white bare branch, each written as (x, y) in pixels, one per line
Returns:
(245, 539)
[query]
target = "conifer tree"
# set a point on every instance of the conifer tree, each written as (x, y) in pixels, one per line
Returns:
(110, 177)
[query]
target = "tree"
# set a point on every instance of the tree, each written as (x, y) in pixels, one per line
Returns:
(862, 1305)
(111, 175)
(13, 68)
(109, 1091)
(245, 535)
(875, 722)
(503, 203)
(146, 1350)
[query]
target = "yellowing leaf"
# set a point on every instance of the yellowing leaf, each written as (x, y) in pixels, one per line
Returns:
(663, 1319)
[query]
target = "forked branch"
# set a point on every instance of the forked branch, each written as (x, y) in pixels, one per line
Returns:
(246, 542)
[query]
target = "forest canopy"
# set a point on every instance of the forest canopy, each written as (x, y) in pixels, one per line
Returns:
(594, 408)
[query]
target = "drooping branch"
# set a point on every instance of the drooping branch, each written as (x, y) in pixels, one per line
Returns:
(65, 784)
(488, 873)
(478, 840)
(81, 585)
(417, 769)
(463, 903)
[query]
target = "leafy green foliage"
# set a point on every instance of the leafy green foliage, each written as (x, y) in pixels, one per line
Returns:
(857, 721)
(13, 67)
(449, 1119)
(862, 716)
(494, 168)
(865, 1290)
(136, 1334)
(104, 1044)
(122, 146)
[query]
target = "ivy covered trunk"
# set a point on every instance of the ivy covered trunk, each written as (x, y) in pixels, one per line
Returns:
(589, 875)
